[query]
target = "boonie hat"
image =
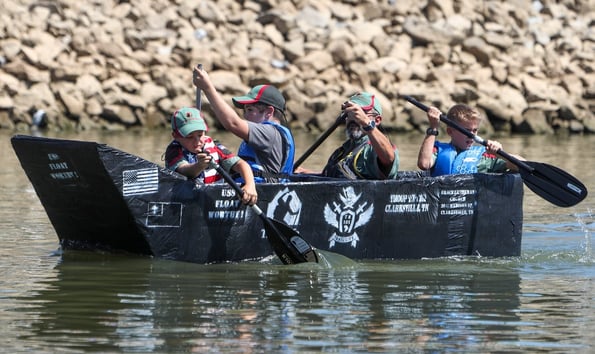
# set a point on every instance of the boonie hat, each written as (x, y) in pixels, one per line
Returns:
(186, 120)
(266, 94)
(367, 101)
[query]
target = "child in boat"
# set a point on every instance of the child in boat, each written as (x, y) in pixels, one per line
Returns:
(460, 155)
(268, 144)
(191, 152)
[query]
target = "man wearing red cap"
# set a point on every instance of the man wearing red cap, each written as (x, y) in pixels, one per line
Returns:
(268, 144)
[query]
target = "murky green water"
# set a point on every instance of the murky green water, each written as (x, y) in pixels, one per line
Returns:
(89, 302)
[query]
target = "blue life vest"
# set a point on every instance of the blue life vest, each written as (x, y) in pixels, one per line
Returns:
(449, 161)
(260, 175)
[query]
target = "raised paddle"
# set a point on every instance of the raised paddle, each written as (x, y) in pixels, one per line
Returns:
(199, 94)
(286, 242)
(549, 182)
(340, 119)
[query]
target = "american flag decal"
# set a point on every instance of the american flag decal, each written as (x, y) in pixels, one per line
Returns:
(143, 181)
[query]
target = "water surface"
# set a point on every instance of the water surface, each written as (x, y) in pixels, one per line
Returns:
(78, 302)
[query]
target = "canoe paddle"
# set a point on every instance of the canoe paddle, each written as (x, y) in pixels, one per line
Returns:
(549, 182)
(199, 94)
(287, 244)
(340, 119)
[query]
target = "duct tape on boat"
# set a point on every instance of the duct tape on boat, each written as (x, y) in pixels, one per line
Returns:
(141, 181)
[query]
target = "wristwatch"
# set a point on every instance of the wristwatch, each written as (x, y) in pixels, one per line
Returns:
(432, 131)
(371, 125)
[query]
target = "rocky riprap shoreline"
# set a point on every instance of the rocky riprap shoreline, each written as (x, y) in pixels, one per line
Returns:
(527, 65)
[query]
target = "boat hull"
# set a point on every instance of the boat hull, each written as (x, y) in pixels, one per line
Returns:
(100, 198)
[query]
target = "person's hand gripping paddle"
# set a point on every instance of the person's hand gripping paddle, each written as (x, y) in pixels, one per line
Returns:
(549, 182)
(287, 244)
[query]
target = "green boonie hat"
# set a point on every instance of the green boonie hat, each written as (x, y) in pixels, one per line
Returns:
(266, 94)
(186, 120)
(367, 101)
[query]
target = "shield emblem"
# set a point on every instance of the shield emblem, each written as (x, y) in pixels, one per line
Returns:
(346, 221)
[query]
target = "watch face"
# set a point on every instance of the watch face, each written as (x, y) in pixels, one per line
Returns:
(371, 125)
(432, 131)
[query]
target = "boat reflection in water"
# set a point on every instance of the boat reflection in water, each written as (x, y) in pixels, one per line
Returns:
(108, 303)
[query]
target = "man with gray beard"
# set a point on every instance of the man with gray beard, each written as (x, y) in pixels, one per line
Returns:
(367, 153)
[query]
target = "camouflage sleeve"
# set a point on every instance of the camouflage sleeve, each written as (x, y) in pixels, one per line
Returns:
(491, 164)
(368, 167)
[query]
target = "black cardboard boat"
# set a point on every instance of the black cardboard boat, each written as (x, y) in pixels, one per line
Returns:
(100, 198)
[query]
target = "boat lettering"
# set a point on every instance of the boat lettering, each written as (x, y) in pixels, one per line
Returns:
(228, 192)
(345, 239)
(456, 205)
(457, 202)
(227, 209)
(53, 157)
(407, 203)
(226, 214)
(407, 208)
(457, 199)
(456, 212)
(64, 175)
(457, 192)
(58, 166)
(226, 204)
(408, 198)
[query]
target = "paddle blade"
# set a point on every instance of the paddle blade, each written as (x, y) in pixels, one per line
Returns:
(304, 248)
(288, 245)
(553, 184)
